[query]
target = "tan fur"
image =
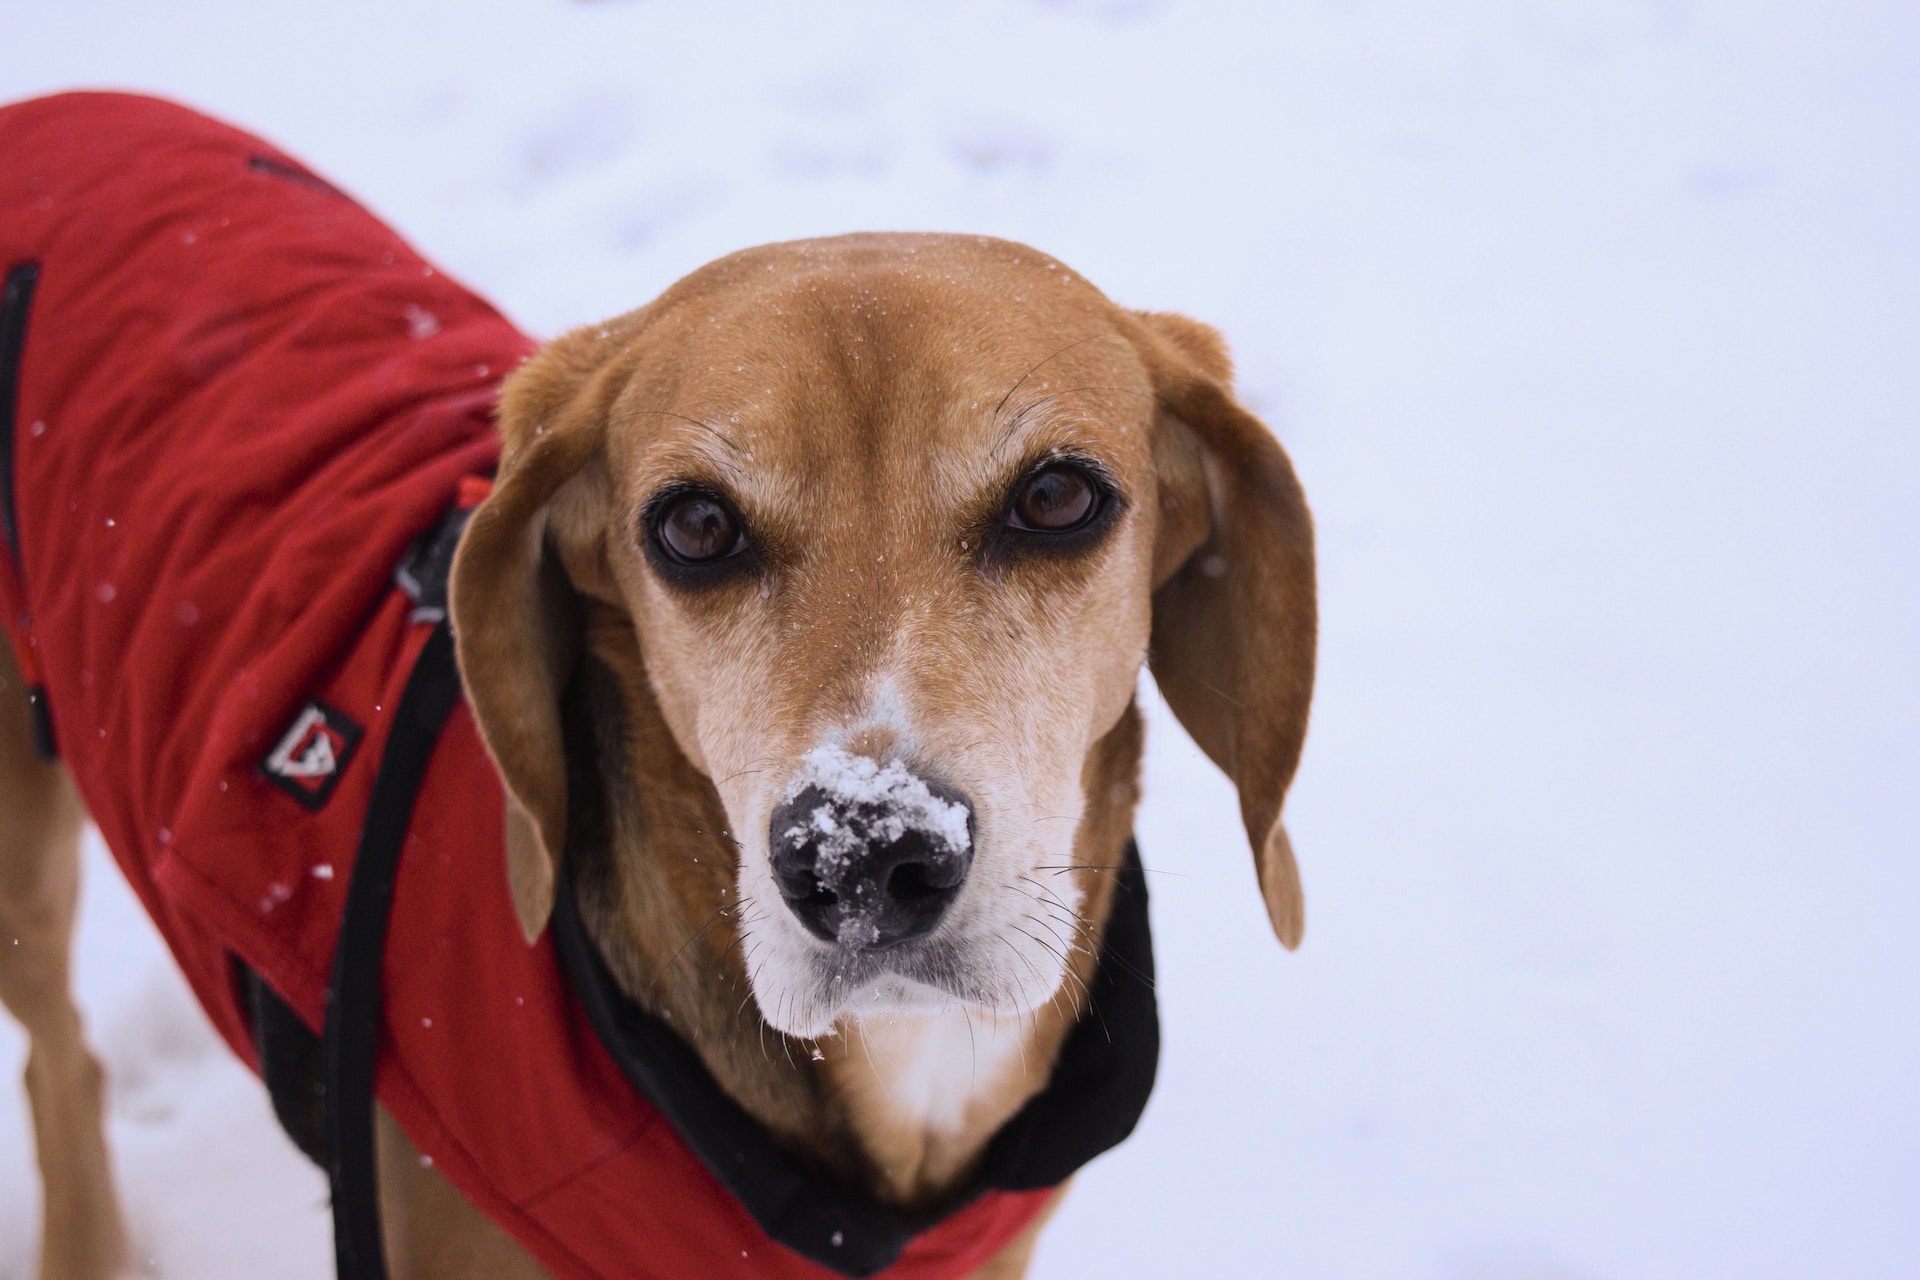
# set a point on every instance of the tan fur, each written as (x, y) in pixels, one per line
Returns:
(432, 1231)
(866, 402)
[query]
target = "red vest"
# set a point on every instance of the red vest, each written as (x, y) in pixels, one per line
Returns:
(240, 399)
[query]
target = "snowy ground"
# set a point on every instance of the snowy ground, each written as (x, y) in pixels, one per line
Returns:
(1594, 328)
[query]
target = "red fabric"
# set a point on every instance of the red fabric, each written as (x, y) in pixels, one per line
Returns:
(241, 398)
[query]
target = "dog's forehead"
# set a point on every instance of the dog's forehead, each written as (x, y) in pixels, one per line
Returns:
(846, 279)
(865, 353)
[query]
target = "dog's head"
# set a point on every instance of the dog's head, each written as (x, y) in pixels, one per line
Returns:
(896, 521)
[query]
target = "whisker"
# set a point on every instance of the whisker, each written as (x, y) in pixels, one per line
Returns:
(1111, 867)
(700, 831)
(719, 912)
(1067, 969)
(1029, 373)
(718, 434)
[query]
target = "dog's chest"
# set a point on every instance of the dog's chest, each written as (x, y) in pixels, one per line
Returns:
(930, 1074)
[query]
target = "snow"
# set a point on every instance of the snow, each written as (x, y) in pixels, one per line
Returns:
(1591, 326)
(862, 802)
(857, 802)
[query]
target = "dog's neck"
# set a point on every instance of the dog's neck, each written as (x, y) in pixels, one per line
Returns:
(922, 1094)
(903, 1106)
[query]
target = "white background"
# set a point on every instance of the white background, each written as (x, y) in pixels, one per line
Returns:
(1594, 330)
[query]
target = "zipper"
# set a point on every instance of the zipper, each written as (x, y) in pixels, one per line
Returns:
(16, 299)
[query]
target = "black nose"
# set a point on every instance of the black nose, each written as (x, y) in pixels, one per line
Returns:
(870, 871)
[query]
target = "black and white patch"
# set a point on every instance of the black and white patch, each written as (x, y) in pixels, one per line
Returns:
(307, 761)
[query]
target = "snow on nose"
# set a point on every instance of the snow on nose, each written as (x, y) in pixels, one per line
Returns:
(869, 855)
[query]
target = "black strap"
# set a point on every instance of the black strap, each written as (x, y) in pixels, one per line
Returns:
(353, 1004)
(16, 301)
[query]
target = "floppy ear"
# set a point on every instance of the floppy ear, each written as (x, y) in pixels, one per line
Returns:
(516, 610)
(1233, 602)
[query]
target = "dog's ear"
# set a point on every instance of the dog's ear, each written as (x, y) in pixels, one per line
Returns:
(1233, 603)
(529, 552)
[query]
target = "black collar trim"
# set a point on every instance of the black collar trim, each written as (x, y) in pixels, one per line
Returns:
(1091, 1103)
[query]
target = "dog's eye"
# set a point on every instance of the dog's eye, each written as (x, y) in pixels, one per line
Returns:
(1055, 499)
(696, 528)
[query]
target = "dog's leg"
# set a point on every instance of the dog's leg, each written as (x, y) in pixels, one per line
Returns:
(1011, 1262)
(433, 1232)
(40, 822)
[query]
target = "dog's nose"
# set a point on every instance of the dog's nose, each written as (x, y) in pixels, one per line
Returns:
(872, 860)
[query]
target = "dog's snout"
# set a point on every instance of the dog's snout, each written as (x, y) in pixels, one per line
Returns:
(874, 863)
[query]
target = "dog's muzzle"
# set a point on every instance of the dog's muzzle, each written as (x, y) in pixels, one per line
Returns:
(871, 870)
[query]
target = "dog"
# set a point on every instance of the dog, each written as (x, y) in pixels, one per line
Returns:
(799, 616)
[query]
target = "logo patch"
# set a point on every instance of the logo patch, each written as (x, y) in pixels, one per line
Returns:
(310, 756)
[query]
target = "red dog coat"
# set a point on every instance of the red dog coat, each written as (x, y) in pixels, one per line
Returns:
(239, 399)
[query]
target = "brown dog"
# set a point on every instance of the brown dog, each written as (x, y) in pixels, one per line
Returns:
(878, 525)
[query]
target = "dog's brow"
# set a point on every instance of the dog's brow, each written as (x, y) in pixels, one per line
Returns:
(1036, 368)
(717, 433)
(1020, 418)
